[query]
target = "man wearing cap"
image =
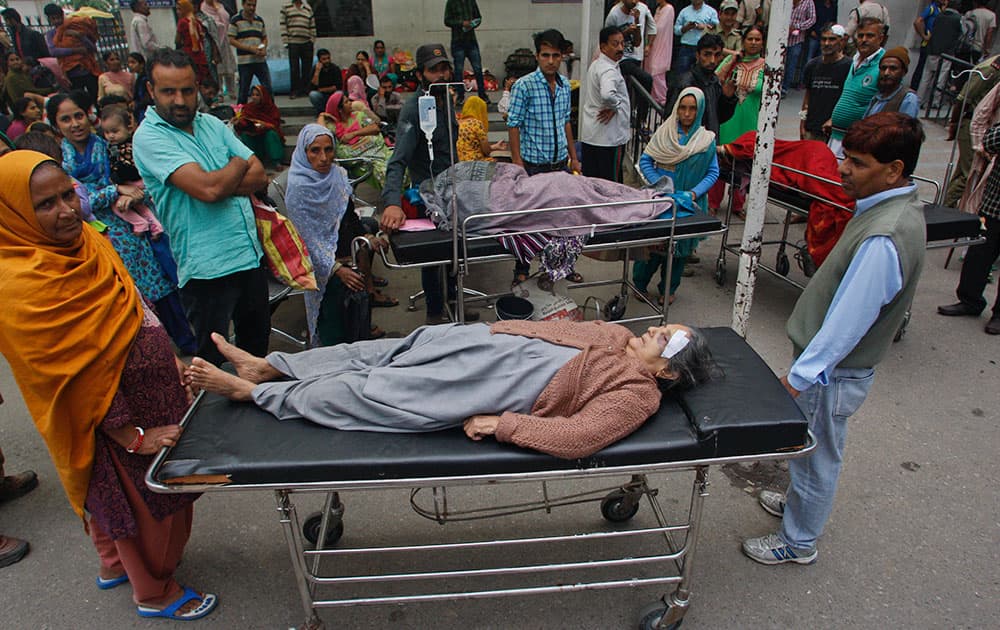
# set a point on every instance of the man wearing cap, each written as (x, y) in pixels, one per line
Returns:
(411, 154)
(824, 79)
(892, 95)
(732, 39)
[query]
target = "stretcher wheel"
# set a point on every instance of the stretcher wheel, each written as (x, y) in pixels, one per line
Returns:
(615, 308)
(781, 265)
(649, 618)
(720, 273)
(619, 506)
(311, 526)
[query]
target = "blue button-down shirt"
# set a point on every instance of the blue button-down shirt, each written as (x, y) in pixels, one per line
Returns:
(541, 117)
(871, 281)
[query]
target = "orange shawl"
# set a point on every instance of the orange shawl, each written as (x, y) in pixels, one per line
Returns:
(70, 314)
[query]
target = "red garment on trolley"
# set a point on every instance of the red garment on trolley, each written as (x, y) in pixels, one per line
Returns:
(826, 222)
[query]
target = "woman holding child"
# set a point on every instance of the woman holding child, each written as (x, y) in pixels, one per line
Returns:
(85, 158)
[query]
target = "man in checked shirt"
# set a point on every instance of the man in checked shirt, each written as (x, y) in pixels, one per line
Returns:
(538, 127)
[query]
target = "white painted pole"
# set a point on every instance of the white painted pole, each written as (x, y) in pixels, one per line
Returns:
(777, 40)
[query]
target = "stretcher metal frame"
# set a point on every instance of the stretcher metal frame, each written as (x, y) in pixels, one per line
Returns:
(618, 504)
(458, 265)
(782, 266)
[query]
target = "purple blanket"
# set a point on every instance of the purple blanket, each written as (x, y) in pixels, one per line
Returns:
(488, 187)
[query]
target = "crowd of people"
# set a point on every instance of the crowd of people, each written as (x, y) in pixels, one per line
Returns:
(127, 208)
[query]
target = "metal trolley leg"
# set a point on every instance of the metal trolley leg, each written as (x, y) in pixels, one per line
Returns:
(668, 612)
(290, 525)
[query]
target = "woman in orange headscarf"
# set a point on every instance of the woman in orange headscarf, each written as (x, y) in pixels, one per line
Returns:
(99, 378)
(191, 38)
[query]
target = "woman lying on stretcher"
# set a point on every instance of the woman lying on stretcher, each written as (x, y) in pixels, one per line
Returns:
(566, 389)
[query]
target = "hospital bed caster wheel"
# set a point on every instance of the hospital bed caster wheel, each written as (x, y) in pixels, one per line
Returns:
(720, 273)
(781, 265)
(615, 308)
(652, 615)
(619, 506)
(310, 530)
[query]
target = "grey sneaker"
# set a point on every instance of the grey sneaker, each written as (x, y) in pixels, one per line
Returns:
(772, 502)
(771, 549)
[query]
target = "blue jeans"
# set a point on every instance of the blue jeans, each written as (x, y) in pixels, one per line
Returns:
(460, 51)
(318, 100)
(791, 65)
(809, 499)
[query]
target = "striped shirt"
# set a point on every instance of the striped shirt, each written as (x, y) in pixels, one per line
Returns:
(541, 117)
(860, 86)
(249, 33)
(803, 17)
(298, 26)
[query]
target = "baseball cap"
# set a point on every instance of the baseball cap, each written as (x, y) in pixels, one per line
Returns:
(729, 4)
(430, 55)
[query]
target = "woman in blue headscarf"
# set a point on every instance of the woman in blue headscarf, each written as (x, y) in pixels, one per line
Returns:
(683, 150)
(318, 201)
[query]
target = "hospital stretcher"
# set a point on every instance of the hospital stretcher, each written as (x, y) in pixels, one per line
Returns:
(457, 250)
(946, 227)
(743, 415)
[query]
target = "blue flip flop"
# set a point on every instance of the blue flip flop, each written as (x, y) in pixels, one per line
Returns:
(208, 604)
(113, 582)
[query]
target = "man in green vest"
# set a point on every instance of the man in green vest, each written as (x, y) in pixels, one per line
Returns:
(845, 320)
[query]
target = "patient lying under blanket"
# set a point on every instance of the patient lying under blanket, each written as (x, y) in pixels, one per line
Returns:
(492, 187)
(568, 389)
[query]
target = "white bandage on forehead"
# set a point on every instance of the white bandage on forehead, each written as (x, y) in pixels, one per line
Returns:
(678, 341)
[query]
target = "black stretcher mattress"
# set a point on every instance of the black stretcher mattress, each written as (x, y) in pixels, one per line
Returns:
(746, 411)
(420, 247)
(943, 223)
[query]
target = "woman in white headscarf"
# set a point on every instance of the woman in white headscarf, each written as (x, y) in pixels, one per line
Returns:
(683, 150)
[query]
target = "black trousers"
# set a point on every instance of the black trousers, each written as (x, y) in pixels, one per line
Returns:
(976, 269)
(240, 298)
(247, 72)
(603, 162)
(300, 63)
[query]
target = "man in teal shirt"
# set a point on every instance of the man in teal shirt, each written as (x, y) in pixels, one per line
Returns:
(861, 83)
(201, 177)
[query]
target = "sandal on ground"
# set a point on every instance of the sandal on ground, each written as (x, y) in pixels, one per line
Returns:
(660, 299)
(383, 301)
(545, 282)
(208, 604)
(575, 277)
(379, 282)
(376, 333)
(112, 582)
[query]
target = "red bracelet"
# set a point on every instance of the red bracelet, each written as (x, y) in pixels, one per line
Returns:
(136, 444)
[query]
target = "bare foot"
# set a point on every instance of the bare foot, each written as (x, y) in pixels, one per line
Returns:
(203, 374)
(250, 368)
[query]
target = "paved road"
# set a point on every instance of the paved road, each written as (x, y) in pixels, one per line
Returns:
(912, 541)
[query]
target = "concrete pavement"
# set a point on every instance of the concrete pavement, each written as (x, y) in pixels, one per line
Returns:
(912, 541)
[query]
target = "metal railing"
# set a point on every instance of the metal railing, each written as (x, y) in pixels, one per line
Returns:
(944, 90)
(647, 115)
